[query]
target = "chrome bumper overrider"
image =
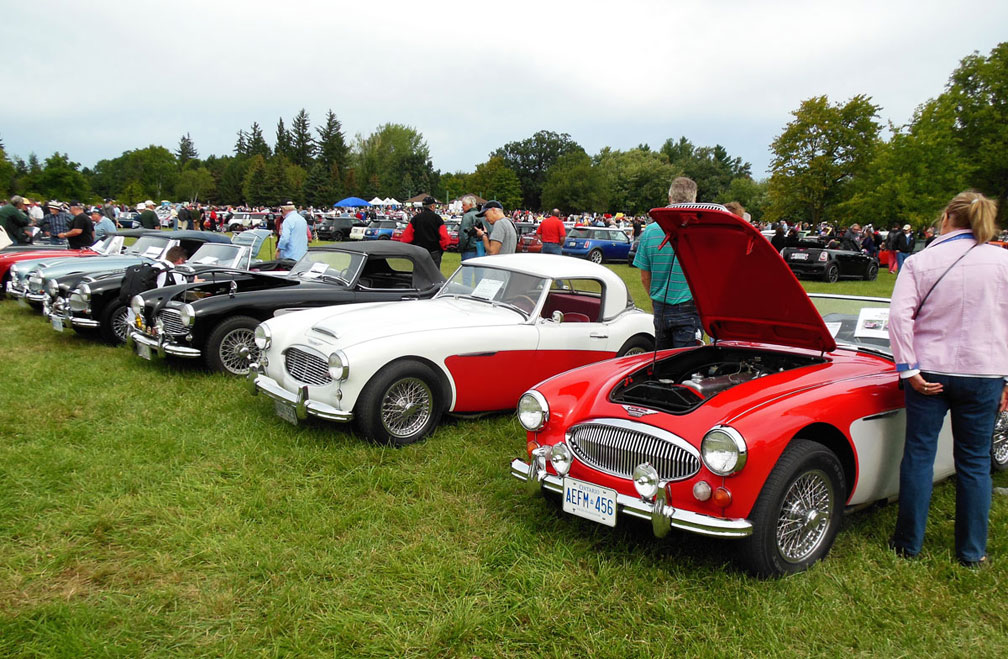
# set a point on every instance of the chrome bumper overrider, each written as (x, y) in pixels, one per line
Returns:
(159, 346)
(303, 405)
(662, 516)
(38, 298)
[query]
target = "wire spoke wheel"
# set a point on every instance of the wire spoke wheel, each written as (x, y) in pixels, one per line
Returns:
(805, 516)
(231, 350)
(999, 443)
(406, 407)
(121, 324)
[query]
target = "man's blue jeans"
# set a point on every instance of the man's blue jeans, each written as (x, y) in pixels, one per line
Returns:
(900, 257)
(551, 248)
(973, 403)
(676, 325)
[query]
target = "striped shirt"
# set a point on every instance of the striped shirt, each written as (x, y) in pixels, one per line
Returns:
(56, 223)
(666, 287)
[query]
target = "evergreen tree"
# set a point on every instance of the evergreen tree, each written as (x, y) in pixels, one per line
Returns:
(332, 147)
(254, 186)
(241, 144)
(186, 151)
(283, 140)
(302, 143)
(256, 144)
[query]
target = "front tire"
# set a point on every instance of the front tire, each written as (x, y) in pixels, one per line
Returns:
(832, 273)
(223, 348)
(114, 323)
(872, 272)
(636, 345)
(338, 237)
(797, 514)
(999, 444)
(400, 405)
(595, 256)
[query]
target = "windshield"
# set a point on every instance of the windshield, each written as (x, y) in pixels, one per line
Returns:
(342, 266)
(150, 246)
(860, 322)
(514, 290)
(382, 224)
(217, 254)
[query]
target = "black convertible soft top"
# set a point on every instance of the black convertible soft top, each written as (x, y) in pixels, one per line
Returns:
(425, 273)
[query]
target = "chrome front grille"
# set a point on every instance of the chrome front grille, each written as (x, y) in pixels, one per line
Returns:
(172, 322)
(307, 367)
(617, 447)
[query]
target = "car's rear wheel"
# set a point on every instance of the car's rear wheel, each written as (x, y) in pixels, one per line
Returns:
(797, 514)
(223, 350)
(400, 405)
(595, 256)
(832, 273)
(999, 444)
(114, 323)
(871, 272)
(338, 236)
(636, 345)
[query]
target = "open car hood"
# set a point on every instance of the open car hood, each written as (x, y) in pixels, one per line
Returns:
(742, 287)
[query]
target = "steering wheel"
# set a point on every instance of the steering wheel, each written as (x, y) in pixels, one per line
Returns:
(523, 302)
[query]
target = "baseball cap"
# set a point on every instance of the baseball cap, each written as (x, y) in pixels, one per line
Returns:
(906, 227)
(428, 200)
(487, 206)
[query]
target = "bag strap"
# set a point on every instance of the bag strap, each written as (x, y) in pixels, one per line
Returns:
(928, 294)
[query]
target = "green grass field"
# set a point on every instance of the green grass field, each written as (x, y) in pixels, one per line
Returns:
(152, 508)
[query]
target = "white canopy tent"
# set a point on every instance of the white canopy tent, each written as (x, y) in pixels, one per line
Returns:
(377, 201)
(391, 201)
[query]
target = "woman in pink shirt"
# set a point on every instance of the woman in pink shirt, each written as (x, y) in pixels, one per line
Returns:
(948, 325)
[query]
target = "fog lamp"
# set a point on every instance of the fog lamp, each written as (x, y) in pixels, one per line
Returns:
(701, 491)
(645, 480)
(85, 292)
(533, 410)
(52, 288)
(723, 450)
(561, 458)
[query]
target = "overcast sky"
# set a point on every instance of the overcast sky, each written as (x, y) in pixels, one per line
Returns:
(94, 79)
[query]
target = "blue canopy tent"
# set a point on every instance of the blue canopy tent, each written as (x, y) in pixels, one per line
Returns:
(351, 202)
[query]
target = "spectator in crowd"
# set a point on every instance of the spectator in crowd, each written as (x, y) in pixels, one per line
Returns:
(15, 220)
(905, 242)
(503, 237)
(735, 208)
(184, 217)
(468, 239)
(552, 233)
(779, 238)
(56, 222)
(148, 218)
(35, 213)
(103, 226)
(293, 243)
(890, 245)
(676, 320)
(428, 230)
(81, 232)
(947, 326)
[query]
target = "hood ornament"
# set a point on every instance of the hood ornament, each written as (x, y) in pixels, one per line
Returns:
(638, 412)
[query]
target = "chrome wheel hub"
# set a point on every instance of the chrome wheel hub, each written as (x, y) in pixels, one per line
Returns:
(406, 407)
(120, 324)
(232, 355)
(805, 516)
(1000, 441)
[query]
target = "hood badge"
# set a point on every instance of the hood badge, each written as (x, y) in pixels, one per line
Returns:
(638, 412)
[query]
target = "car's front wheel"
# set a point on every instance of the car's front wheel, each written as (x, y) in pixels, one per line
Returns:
(114, 323)
(224, 347)
(832, 273)
(595, 256)
(400, 405)
(999, 445)
(797, 514)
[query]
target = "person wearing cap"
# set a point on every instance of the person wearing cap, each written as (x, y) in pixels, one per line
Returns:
(428, 230)
(905, 242)
(148, 218)
(103, 226)
(551, 232)
(14, 220)
(503, 237)
(293, 243)
(81, 232)
(57, 221)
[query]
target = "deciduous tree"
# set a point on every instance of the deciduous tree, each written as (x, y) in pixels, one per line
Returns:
(531, 158)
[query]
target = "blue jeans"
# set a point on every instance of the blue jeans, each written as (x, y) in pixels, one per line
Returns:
(900, 257)
(552, 248)
(973, 403)
(468, 255)
(676, 325)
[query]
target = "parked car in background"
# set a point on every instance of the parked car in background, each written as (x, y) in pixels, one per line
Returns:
(242, 220)
(812, 259)
(791, 415)
(500, 324)
(529, 241)
(380, 230)
(452, 227)
(215, 320)
(129, 220)
(335, 227)
(17, 266)
(597, 244)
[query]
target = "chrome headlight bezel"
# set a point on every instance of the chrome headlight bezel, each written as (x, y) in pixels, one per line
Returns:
(52, 287)
(532, 410)
(263, 337)
(187, 315)
(85, 292)
(137, 305)
(723, 451)
(34, 284)
(561, 458)
(339, 366)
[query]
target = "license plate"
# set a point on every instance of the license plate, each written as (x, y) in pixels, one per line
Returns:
(285, 411)
(143, 350)
(57, 323)
(799, 256)
(572, 244)
(590, 501)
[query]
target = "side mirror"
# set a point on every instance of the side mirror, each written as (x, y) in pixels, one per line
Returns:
(233, 288)
(557, 316)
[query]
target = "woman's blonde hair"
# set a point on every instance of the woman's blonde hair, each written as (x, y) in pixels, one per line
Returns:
(972, 210)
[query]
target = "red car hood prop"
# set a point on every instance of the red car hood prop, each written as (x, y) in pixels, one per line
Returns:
(742, 287)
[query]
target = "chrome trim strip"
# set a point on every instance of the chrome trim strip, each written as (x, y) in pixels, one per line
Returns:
(300, 401)
(163, 349)
(82, 322)
(634, 507)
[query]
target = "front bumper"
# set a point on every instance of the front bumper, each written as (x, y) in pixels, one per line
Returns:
(160, 346)
(663, 517)
(303, 405)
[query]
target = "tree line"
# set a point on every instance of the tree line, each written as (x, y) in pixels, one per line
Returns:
(832, 162)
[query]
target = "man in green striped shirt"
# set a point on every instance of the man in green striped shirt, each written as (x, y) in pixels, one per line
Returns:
(676, 321)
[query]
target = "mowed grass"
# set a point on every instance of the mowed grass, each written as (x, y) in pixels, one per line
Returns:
(152, 508)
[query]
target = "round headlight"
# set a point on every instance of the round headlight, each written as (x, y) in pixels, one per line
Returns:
(187, 315)
(35, 282)
(85, 292)
(533, 410)
(263, 338)
(52, 288)
(645, 480)
(561, 458)
(137, 305)
(723, 451)
(339, 368)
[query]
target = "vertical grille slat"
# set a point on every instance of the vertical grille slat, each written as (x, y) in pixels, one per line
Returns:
(618, 450)
(307, 367)
(172, 322)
